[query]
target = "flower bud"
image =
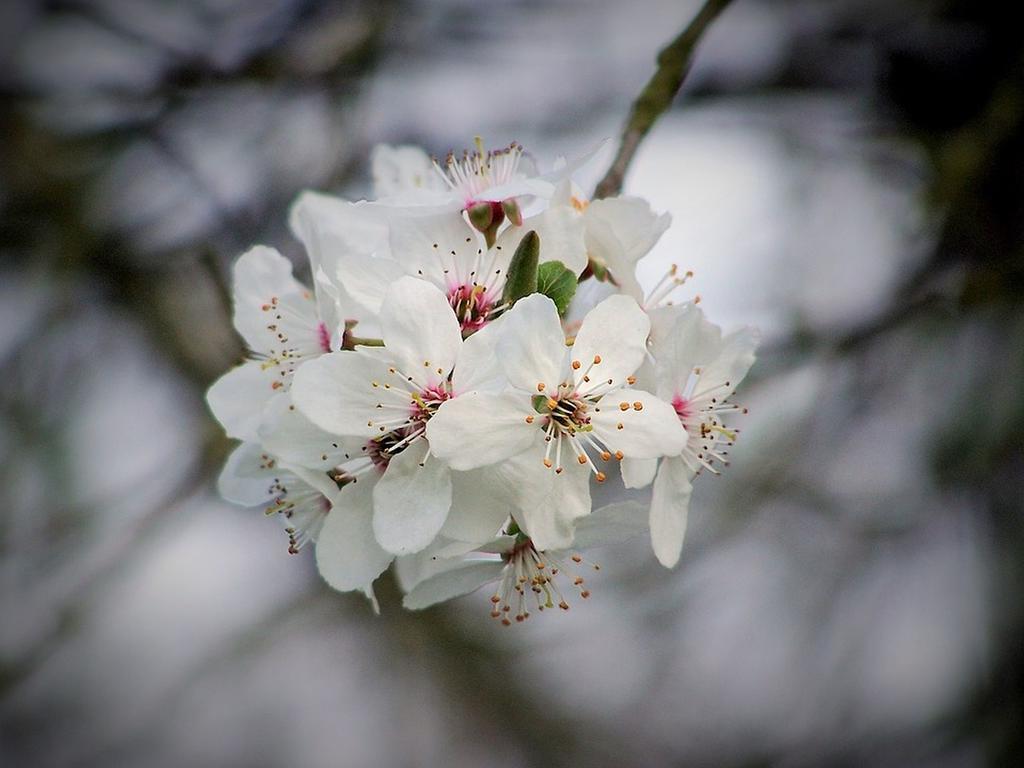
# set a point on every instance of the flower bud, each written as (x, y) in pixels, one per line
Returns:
(480, 216)
(511, 209)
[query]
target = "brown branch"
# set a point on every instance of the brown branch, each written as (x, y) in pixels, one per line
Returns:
(674, 62)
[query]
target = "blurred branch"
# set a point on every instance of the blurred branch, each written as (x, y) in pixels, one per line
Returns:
(76, 604)
(674, 62)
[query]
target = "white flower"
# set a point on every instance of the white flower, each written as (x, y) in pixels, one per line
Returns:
(284, 324)
(387, 396)
(321, 486)
(527, 577)
(442, 249)
(696, 370)
(617, 231)
(407, 176)
(561, 404)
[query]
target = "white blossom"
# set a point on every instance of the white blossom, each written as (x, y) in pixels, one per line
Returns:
(697, 369)
(284, 325)
(527, 577)
(387, 396)
(565, 411)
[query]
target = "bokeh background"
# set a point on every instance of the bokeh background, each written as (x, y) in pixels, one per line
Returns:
(846, 174)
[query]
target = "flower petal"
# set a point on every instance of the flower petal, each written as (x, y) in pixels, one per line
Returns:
(670, 503)
(531, 346)
(479, 429)
(237, 399)
(477, 367)
(613, 337)
(366, 280)
(560, 229)
(691, 341)
(645, 432)
(336, 392)
(620, 231)
(547, 504)
(478, 509)
(731, 365)
(347, 554)
(638, 473)
(404, 174)
(293, 438)
(247, 476)
(420, 330)
(441, 248)
(411, 501)
(262, 281)
(456, 582)
(611, 524)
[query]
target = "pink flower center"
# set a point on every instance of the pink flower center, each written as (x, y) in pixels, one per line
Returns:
(682, 408)
(428, 402)
(324, 337)
(472, 304)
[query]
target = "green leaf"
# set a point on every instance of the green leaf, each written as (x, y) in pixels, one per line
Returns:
(558, 283)
(522, 271)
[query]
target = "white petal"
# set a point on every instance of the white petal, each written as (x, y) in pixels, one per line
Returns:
(336, 393)
(670, 502)
(547, 504)
(441, 248)
(293, 438)
(347, 554)
(614, 332)
(611, 524)
(404, 173)
(367, 279)
(411, 502)
(330, 226)
(651, 431)
(237, 399)
(531, 346)
(620, 231)
(478, 368)
(420, 330)
(691, 341)
(638, 473)
(247, 476)
(262, 276)
(478, 509)
(454, 583)
(560, 229)
(441, 555)
(479, 429)
(731, 364)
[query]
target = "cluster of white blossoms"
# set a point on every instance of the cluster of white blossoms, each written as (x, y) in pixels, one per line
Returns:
(443, 397)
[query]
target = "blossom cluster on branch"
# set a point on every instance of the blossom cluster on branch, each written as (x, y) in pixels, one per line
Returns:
(475, 353)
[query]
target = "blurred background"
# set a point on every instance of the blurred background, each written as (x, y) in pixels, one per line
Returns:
(845, 174)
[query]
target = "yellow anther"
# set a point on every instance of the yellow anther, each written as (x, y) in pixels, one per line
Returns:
(623, 406)
(638, 406)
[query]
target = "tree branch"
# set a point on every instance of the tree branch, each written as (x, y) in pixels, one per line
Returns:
(674, 62)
